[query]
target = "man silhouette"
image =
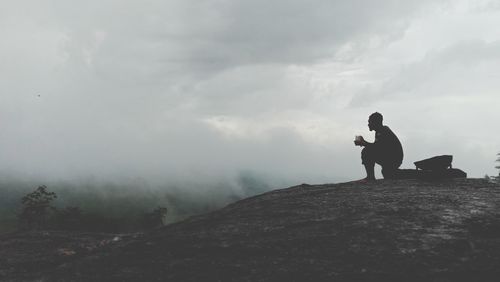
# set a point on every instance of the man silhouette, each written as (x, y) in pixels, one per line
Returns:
(385, 151)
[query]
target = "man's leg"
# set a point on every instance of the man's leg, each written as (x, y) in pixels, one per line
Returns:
(368, 161)
(390, 168)
(390, 172)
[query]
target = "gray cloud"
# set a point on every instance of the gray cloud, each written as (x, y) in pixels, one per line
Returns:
(181, 89)
(464, 68)
(156, 40)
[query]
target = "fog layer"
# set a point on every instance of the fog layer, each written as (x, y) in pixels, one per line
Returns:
(192, 94)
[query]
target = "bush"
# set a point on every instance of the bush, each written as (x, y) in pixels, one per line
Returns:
(156, 218)
(69, 218)
(498, 167)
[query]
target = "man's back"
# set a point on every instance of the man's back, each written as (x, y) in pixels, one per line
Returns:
(389, 145)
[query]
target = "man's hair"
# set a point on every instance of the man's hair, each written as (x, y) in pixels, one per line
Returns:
(376, 117)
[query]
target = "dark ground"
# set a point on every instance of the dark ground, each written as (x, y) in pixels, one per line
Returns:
(400, 230)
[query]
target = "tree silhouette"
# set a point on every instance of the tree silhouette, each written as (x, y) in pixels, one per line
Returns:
(36, 208)
(498, 167)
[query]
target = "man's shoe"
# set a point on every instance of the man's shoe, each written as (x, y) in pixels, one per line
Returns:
(365, 180)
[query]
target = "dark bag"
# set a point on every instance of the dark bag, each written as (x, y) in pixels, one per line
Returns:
(438, 167)
(437, 163)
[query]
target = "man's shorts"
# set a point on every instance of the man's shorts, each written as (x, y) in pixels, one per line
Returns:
(389, 163)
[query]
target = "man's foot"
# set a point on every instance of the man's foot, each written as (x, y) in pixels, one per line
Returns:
(365, 180)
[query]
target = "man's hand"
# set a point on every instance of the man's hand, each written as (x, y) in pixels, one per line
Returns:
(360, 141)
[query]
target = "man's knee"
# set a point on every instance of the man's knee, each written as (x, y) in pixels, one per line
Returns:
(367, 156)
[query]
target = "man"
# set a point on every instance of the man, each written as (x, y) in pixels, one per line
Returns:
(385, 151)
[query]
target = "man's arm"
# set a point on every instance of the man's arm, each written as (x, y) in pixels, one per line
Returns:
(367, 144)
(363, 143)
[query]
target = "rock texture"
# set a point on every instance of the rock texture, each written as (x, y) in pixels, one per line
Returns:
(388, 230)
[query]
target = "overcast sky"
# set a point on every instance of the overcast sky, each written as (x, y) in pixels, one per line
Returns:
(185, 89)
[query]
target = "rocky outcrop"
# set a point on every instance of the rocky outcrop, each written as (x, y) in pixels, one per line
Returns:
(388, 230)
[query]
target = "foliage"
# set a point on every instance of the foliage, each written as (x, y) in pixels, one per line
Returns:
(498, 160)
(154, 219)
(38, 213)
(74, 219)
(37, 208)
(69, 218)
(498, 167)
(494, 178)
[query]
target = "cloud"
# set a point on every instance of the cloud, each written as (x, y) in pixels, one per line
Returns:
(162, 39)
(184, 89)
(464, 68)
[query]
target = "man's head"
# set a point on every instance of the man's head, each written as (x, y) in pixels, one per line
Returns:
(375, 121)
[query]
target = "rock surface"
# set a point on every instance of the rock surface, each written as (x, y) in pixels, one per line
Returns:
(388, 230)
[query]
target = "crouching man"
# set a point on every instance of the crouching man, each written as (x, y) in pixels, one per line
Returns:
(385, 151)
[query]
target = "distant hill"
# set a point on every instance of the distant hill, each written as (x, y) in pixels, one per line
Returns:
(400, 230)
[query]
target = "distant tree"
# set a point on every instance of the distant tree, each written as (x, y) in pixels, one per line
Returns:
(498, 167)
(156, 218)
(36, 208)
(69, 218)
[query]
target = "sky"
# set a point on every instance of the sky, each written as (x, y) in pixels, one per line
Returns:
(197, 91)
